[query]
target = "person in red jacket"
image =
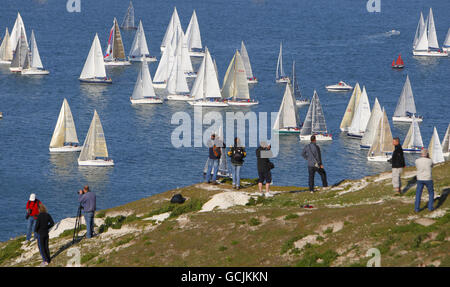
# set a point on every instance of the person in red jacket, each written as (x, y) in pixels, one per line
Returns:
(32, 213)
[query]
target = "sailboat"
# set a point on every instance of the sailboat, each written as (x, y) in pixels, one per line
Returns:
(350, 110)
(446, 142)
(361, 117)
(300, 102)
(143, 92)
(206, 90)
(16, 32)
(419, 30)
(382, 147)
(164, 68)
(177, 86)
(94, 68)
(128, 20)
(280, 77)
(339, 87)
(399, 64)
(413, 141)
(64, 137)
(248, 67)
(194, 39)
(20, 54)
(435, 148)
(115, 53)
(369, 133)
(446, 46)
(33, 64)
(406, 108)
(139, 49)
(426, 43)
(174, 24)
(315, 122)
(183, 52)
(95, 151)
(288, 119)
(6, 53)
(235, 85)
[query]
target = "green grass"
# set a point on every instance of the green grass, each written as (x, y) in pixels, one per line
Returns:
(12, 249)
(100, 214)
(223, 248)
(254, 221)
(68, 232)
(87, 257)
(313, 258)
(291, 216)
(123, 241)
(289, 244)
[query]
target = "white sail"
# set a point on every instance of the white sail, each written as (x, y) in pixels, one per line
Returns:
(435, 148)
(413, 139)
(215, 67)
(128, 20)
(419, 30)
(446, 142)
(65, 131)
(94, 67)
(177, 83)
(361, 116)
(235, 83)
(406, 105)
(6, 52)
(447, 39)
(280, 71)
(18, 28)
(174, 24)
(165, 65)
(35, 58)
(194, 39)
(246, 60)
(184, 52)
(287, 116)
(432, 37)
(144, 86)
(351, 107)
(95, 144)
(315, 119)
(206, 84)
(422, 43)
(139, 47)
(382, 141)
(372, 124)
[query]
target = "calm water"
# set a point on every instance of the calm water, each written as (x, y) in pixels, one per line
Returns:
(329, 40)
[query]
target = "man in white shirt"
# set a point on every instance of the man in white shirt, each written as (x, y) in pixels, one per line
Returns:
(424, 166)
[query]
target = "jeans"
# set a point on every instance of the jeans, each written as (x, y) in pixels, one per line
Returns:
(312, 170)
(42, 241)
(419, 188)
(89, 218)
(30, 228)
(212, 163)
(236, 172)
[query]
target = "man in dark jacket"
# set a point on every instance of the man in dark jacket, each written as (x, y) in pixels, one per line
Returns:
(398, 163)
(237, 154)
(43, 224)
(213, 161)
(312, 154)
(264, 165)
(87, 200)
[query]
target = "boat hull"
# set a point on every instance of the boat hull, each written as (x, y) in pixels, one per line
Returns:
(97, 162)
(242, 103)
(318, 137)
(190, 74)
(336, 89)
(282, 80)
(300, 103)
(398, 67)
(147, 101)
(252, 80)
(405, 119)
(2, 62)
(15, 70)
(288, 131)
(355, 135)
(380, 158)
(117, 63)
(412, 150)
(95, 81)
(430, 53)
(446, 49)
(159, 85)
(207, 103)
(364, 146)
(34, 72)
(142, 59)
(172, 97)
(197, 53)
(66, 149)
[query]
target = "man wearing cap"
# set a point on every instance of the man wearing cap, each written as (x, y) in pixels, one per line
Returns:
(424, 166)
(32, 208)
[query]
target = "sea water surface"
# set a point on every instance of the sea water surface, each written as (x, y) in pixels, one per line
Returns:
(329, 40)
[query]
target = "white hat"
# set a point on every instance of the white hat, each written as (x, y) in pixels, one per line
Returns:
(32, 197)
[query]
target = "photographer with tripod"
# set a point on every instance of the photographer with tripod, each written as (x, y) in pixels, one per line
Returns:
(87, 202)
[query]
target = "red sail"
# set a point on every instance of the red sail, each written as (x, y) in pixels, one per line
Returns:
(393, 63)
(399, 61)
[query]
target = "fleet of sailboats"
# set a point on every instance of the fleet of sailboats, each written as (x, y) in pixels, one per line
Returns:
(288, 119)
(128, 20)
(413, 141)
(115, 52)
(314, 123)
(406, 108)
(361, 117)
(280, 76)
(139, 49)
(425, 41)
(94, 68)
(248, 67)
(350, 110)
(33, 64)
(64, 137)
(143, 92)
(95, 151)
(235, 84)
(435, 148)
(381, 148)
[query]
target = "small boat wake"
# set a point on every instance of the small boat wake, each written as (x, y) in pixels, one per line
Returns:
(380, 36)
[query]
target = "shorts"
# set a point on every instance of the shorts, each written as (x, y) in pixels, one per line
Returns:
(396, 173)
(264, 177)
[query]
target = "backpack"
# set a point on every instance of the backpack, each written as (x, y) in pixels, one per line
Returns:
(238, 154)
(177, 198)
(216, 151)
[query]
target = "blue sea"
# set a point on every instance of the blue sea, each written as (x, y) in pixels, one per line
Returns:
(330, 41)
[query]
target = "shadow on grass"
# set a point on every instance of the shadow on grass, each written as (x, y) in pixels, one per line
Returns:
(441, 199)
(67, 246)
(411, 182)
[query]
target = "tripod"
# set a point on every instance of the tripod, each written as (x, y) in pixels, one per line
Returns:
(77, 224)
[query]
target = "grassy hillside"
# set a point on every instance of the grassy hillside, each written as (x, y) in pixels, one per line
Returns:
(345, 222)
